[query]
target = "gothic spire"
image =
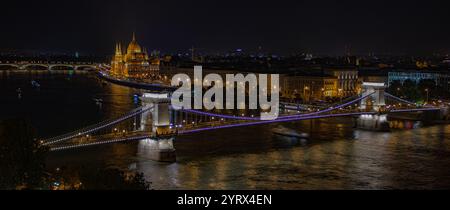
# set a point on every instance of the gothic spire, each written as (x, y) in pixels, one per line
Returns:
(118, 48)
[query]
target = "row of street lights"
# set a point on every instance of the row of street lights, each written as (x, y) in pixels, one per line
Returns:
(306, 88)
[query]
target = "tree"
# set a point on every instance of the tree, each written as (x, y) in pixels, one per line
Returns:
(92, 178)
(395, 88)
(22, 166)
(411, 91)
(22, 159)
(427, 88)
(112, 179)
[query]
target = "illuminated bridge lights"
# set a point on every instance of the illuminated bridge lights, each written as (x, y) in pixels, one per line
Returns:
(95, 127)
(99, 143)
(272, 121)
(238, 121)
(280, 117)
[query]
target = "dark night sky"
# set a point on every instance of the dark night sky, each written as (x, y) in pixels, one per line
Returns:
(92, 26)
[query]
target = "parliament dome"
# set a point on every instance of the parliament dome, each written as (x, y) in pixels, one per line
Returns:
(134, 47)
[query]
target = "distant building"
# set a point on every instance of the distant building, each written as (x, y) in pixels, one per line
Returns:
(415, 76)
(134, 63)
(347, 80)
(308, 87)
(441, 79)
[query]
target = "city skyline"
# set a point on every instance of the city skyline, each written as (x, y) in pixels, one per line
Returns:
(325, 27)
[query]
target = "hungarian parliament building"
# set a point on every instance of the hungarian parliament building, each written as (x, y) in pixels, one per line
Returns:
(134, 63)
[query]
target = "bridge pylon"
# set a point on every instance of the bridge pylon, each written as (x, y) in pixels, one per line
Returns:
(159, 146)
(374, 93)
(373, 102)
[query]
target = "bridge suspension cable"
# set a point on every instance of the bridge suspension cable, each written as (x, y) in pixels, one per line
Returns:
(399, 99)
(242, 124)
(272, 121)
(415, 110)
(329, 109)
(140, 137)
(58, 148)
(314, 115)
(96, 127)
(293, 106)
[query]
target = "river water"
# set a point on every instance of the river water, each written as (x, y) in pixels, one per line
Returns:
(335, 157)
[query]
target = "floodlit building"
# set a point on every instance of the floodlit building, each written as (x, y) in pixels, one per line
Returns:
(441, 78)
(134, 62)
(347, 80)
(308, 87)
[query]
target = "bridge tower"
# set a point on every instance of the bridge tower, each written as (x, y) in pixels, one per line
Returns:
(159, 146)
(373, 102)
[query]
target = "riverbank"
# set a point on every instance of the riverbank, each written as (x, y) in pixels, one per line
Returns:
(135, 84)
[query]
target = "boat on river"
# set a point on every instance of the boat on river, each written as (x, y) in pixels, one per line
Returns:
(283, 131)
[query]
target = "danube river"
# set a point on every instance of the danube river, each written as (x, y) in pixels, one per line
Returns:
(335, 157)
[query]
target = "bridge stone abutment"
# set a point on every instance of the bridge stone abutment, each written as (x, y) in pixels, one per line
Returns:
(159, 146)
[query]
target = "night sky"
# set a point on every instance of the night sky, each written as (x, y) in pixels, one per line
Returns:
(316, 26)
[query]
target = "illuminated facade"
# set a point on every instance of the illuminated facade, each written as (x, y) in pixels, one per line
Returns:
(347, 80)
(308, 88)
(134, 63)
(441, 78)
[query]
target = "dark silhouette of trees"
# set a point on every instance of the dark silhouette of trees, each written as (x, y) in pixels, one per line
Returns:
(112, 179)
(417, 92)
(396, 88)
(21, 157)
(428, 87)
(410, 91)
(22, 166)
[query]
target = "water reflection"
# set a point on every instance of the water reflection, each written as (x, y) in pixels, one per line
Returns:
(405, 124)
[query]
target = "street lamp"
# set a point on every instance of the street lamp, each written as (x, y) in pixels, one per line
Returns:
(323, 93)
(426, 90)
(304, 92)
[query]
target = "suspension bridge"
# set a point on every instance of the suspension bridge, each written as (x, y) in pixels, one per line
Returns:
(156, 123)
